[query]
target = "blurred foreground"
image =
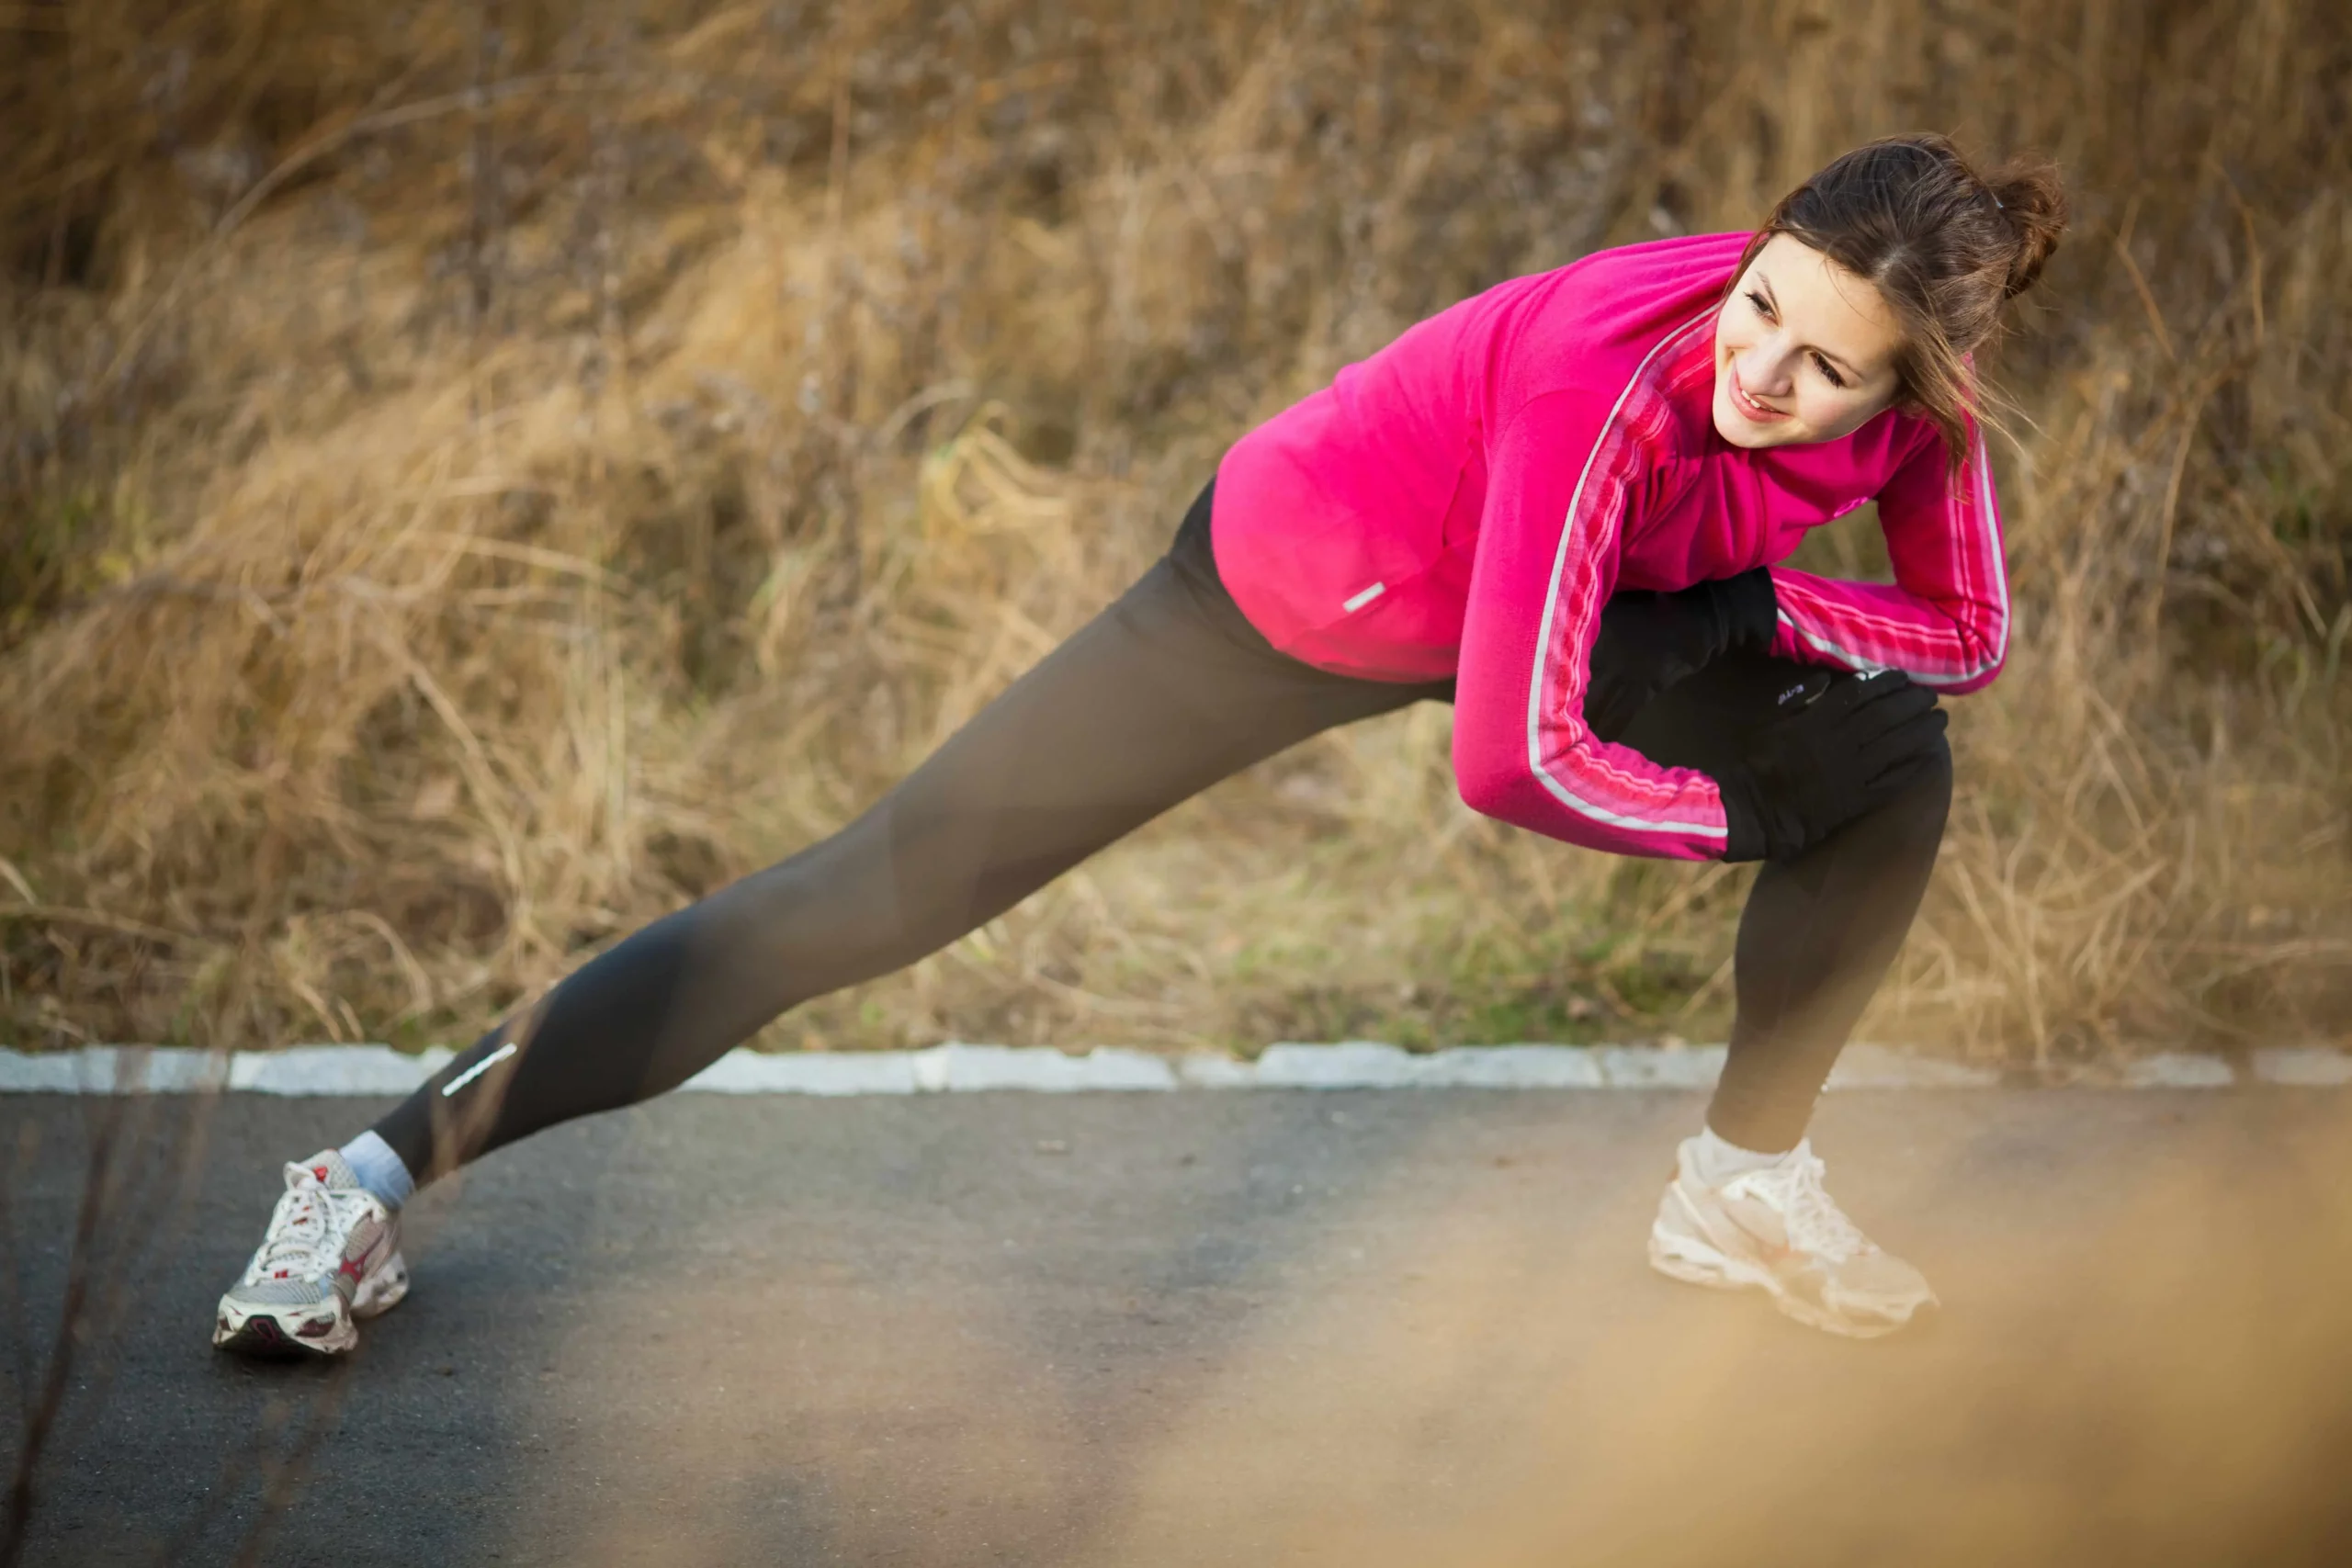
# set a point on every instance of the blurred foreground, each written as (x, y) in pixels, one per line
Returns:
(1108, 1331)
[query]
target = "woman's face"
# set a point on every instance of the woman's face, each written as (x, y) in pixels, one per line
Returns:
(1804, 351)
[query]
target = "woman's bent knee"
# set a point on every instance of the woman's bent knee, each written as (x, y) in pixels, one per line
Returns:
(1926, 799)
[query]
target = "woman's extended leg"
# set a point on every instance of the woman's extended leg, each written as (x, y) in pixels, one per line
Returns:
(1164, 694)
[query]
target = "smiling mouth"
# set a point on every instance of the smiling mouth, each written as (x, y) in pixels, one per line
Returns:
(1746, 405)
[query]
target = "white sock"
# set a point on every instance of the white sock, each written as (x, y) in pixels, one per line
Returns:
(380, 1170)
(1718, 1160)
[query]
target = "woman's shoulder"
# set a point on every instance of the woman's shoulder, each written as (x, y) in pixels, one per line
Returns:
(1629, 284)
(1588, 326)
(1704, 258)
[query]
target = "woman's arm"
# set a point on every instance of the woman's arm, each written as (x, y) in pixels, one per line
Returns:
(1547, 560)
(1946, 621)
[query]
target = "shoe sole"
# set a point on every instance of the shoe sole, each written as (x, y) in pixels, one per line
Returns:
(275, 1333)
(1695, 1261)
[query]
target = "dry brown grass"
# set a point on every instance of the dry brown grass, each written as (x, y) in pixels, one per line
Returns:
(478, 474)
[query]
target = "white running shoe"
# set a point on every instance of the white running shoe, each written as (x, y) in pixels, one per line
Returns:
(1778, 1230)
(332, 1256)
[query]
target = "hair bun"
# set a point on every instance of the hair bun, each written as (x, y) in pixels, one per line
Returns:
(2033, 199)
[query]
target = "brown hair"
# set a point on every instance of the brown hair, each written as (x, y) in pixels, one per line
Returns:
(1943, 244)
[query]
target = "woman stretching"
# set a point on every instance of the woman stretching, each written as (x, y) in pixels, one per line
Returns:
(1556, 505)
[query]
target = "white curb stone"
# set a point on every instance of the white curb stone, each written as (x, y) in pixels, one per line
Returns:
(957, 1067)
(2303, 1066)
(815, 1072)
(118, 1069)
(162, 1070)
(61, 1072)
(1351, 1064)
(1649, 1066)
(2178, 1069)
(1880, 1067)
(1513, 1067)
(334, 1069)
(1203, 1069)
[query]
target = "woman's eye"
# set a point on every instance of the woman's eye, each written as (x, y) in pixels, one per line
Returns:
(1834, 378)
(1762, 308)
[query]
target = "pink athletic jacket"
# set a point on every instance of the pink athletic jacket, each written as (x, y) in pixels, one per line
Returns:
(1464, 502)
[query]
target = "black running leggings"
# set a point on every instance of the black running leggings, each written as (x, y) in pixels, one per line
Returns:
(1162, 695)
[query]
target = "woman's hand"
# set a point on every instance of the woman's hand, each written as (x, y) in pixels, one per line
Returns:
(1648, 641)
(1838, 747)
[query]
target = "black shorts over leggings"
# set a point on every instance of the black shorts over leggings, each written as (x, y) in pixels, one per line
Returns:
(1167, 691)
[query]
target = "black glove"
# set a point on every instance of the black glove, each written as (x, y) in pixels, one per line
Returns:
(1837, 747)
(1648, 641)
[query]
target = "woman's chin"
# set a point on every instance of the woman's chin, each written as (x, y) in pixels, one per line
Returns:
(1741, 430)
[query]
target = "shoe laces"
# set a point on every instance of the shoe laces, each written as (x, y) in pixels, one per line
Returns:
(1814, 1220)
(307, 1229)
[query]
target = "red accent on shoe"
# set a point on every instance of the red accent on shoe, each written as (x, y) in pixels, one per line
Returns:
(320, 1171)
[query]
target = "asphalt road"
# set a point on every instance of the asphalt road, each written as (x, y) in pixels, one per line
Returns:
(1354, 1328)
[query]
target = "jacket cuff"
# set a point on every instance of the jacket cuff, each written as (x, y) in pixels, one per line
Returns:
(1743, 836)
(1751, 608)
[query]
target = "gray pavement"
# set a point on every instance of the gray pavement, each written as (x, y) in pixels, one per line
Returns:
(1348, 1328)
